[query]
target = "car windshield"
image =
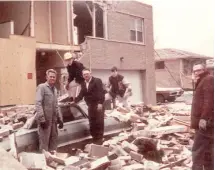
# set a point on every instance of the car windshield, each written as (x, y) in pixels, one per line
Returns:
(71, 113)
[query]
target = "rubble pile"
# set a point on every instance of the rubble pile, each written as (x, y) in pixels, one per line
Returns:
(13, 118)
(155, 142)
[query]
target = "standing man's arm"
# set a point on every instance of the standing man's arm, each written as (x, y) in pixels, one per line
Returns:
(100, 94)
(71, 75)
(39, 104)
(127, 84)
(208, 98)
(81, 95)
(59, 115)
(208, 104)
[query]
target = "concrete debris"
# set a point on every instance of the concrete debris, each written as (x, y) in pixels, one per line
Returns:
(33, 161)
(160, 138)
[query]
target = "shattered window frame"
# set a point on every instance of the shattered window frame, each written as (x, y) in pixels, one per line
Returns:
(159, 65)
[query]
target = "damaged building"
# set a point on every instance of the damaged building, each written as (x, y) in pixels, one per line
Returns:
(34, 35)
(173, 67)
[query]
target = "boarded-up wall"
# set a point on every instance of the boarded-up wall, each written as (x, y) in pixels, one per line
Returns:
(17, 64)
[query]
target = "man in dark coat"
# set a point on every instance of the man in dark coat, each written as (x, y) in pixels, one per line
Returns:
(48, 114)
(202, 119)
(93, 93)
(75, 78)
(119, 88)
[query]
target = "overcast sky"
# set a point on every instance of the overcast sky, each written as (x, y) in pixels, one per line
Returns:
(184, 24)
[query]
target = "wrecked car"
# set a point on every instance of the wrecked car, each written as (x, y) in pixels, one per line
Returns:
(75, 130)
(169, 94)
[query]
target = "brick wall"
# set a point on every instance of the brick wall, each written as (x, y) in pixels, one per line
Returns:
(103, 54)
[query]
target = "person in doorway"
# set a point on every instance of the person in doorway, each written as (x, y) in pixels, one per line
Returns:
(93, 93)
(75, 78)
(118, 88)
(48, 114)
(202, 119)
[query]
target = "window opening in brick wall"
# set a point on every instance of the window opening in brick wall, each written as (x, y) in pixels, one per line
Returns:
(137, 30)
(159, 65)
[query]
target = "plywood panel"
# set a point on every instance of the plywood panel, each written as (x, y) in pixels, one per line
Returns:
(10, 78)
(27, 49)
(17, 57)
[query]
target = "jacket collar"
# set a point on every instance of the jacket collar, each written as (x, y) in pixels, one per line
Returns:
(206, 73)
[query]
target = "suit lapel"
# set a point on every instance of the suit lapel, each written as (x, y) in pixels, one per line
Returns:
(90, 84)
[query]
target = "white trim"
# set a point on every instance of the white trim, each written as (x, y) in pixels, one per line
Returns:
(32, 31)
(12, 27)
(105, 23)
(68, 17)
(94, 20)
(109, 40)
(44, 46)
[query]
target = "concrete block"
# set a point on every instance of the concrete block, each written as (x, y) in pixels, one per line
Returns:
(5, 120)
(98, 151)
(101, 163)
(17, 125)
(134, 167)
(129, 147)
(70, 167)
(33, 161)
(11, 114)
(81, 163)
(115, 167)
(139, 126)
(71, 160)
(5, 132)
(119, 151)
(57, 159)
(62, 155)
(136, 156)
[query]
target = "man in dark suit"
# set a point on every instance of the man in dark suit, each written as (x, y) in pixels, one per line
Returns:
(202, 119)
(93, 93)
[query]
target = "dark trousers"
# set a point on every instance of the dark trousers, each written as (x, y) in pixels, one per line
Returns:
(203, 152)
(96, 121)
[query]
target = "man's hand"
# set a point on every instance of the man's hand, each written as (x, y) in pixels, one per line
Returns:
(67, 86)
(100, 107)
(60, 126)
(44, 125)
(202, 124)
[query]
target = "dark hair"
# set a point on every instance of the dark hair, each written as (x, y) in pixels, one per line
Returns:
(114, 69)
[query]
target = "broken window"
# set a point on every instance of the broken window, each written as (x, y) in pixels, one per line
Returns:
(159, 65)
(83, 21)
(136, 30)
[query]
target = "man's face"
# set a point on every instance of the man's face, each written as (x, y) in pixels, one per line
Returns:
(69, 61)
(114, 73)
(51, 78)
(198, 70)
(86, 75)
